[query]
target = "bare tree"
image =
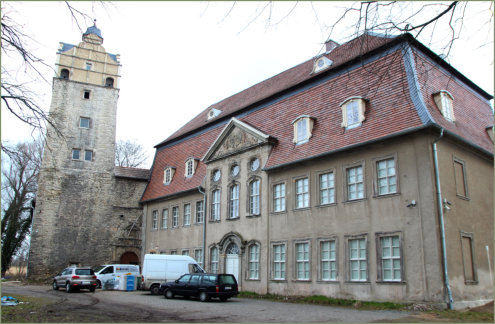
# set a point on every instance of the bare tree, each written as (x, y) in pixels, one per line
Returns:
(130, 154)
(20, 168)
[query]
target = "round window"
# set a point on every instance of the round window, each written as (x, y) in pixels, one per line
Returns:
(235, 170)
(216, 175)
(255, 164)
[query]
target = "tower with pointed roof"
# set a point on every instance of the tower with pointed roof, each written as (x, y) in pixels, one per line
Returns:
(86, 206)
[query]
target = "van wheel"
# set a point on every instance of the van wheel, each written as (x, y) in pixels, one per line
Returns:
(203, 296)
(54, 285)
(169, 294)
(155, 289)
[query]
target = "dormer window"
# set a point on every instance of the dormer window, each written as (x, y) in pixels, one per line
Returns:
(303, 128)
(444, 101)
(213, 113)
(322, 63)
(168, 174)
(353, 112)
(190, 167)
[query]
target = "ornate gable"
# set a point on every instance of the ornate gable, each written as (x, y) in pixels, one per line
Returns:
(236, 137)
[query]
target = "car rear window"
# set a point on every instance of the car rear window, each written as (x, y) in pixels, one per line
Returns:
(84, 272)
(226, 280)
(209, 280)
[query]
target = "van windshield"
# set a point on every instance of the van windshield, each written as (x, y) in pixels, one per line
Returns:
(98, 268)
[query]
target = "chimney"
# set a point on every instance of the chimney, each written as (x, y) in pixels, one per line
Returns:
(330, 45)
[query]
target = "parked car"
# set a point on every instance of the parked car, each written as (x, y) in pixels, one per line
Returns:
(75, 278)
(202, 285)
(109, 273)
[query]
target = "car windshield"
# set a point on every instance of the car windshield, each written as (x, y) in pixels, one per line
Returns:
(84, 272)
(226, 280)
(98, 268)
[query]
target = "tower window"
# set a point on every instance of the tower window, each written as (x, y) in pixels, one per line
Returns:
(86, 94)
(109, 82)
(64, 74)
(89, 66)
(76, 153)
(84, 122)
(88, 155)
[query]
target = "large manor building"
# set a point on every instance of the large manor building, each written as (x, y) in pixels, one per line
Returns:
(365, 172)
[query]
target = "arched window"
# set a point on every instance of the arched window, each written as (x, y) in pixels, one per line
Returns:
(109, 82)
(232, 249)
(64, 74)
(254, 197)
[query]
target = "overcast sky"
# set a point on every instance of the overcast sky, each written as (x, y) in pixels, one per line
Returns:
(178, 58)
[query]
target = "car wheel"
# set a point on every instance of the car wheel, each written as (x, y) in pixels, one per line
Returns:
(223, 298)
(169, 294)
(54, 285)
(92, 289)
(98, 284)
(155, 290)
(203, 296)
(68, 288)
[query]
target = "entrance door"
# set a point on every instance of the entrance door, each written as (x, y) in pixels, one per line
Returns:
(232, 261)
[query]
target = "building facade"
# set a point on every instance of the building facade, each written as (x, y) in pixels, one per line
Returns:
(364, 173)
(87, 209)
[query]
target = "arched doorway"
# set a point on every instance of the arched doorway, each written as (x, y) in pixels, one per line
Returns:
(232, 260)
(129, 258)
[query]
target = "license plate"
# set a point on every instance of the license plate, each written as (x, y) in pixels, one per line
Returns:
(86, 282)
(228, 288)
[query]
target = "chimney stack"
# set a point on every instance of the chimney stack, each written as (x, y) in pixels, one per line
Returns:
(330, 45)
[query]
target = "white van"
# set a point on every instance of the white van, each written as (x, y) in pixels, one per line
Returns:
(109, 274)
(160, 268)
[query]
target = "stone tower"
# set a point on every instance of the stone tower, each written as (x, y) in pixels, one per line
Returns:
(86, 208)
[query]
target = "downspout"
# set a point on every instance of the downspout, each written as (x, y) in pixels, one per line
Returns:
(440, 215)
(204, 226)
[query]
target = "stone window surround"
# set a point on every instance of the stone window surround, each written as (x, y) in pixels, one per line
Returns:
(188, 223)
(462, 163)
(272, 260)
(164, 220)
(248, 256)
(196, 212)
(319, 269)
(470, 236)
(154, 220)
(273, 197)
(175, 217)
(218, 205)
(295, 243)
(230, 201)
(318, 181)
(345, 167)
(378, 245)
(348, 238)
(248, 193)
(294, 181)
(375, 175)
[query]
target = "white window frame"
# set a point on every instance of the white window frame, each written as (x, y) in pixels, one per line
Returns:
(215, 204)
(279, 197)
(303, 129)
(255, 197)
(359, 260)
(234, 201)
(328, 260)
(165, 218)
(358, 106)
(391, 262)
(168, 175)
(78, 151)
(355, 181)
(175, 216)
(214, 254)
(198, 256)
(279, 260)
(187, 215)
(302, 193)
(190, 167)
(327, 187)
(254, 261)
(445, 103)
(86, 152)
(386, 180)
(302, 258)
(200, 212)
(154, 220)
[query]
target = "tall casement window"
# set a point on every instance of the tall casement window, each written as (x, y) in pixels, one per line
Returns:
(303, 128)
(200, 212)
(164, 218)
(302, 193)
(254, 197)
(187, 215)
(175, 216)
(328, 260)
(460, 178)
(389, 256)
(189, 168)
(355, 183)
(386, 176)
(215, 205)
(214, 260)
(445, 103)
(279, 197)
(358, 263)
(154, 220)
(234, 201)
(302, 261)
(327, 188)
(279, 261)
(198, 256)
(353, 110)
(468, 260)
(254, 261)
(168, 174)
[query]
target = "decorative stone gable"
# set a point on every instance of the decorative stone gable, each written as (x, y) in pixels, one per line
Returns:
(235, 138)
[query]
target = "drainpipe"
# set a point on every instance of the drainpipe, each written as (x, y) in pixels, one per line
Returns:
(440, 214)
(204, 225)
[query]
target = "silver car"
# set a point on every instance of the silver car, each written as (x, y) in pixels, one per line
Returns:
(75, 278)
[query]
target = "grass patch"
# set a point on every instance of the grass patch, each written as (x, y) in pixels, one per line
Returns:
(465, 316)
(29, 310)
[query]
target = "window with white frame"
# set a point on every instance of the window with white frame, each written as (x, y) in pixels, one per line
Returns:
(303, 128)
(355, 183)
(154, 220)
(390, 256)
(445, 103)
(328, 260)
(175, 216)
(76, 154)
(327, 188)
(279, 261)
(234, 201)
(215, 205)
(200, 212)
(302, 261)
(164, 218)
(254, 197)
(358, 263)
(187, 215)
(279, 197)
(168, 174)
(302, 193)
(254, 261)
(386, 176)
(190, 165)
(198, 256)
(84, 122)
(214, 260)
(88, 155)
(353, 110)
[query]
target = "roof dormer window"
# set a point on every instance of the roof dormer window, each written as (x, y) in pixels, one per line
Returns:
(213, 113)
(353, 110)
(168, 174)
(445, 103)
(322, 63)
(190, 167)
(303, 129)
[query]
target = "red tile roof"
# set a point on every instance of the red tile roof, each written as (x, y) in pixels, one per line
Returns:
(381, 80)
